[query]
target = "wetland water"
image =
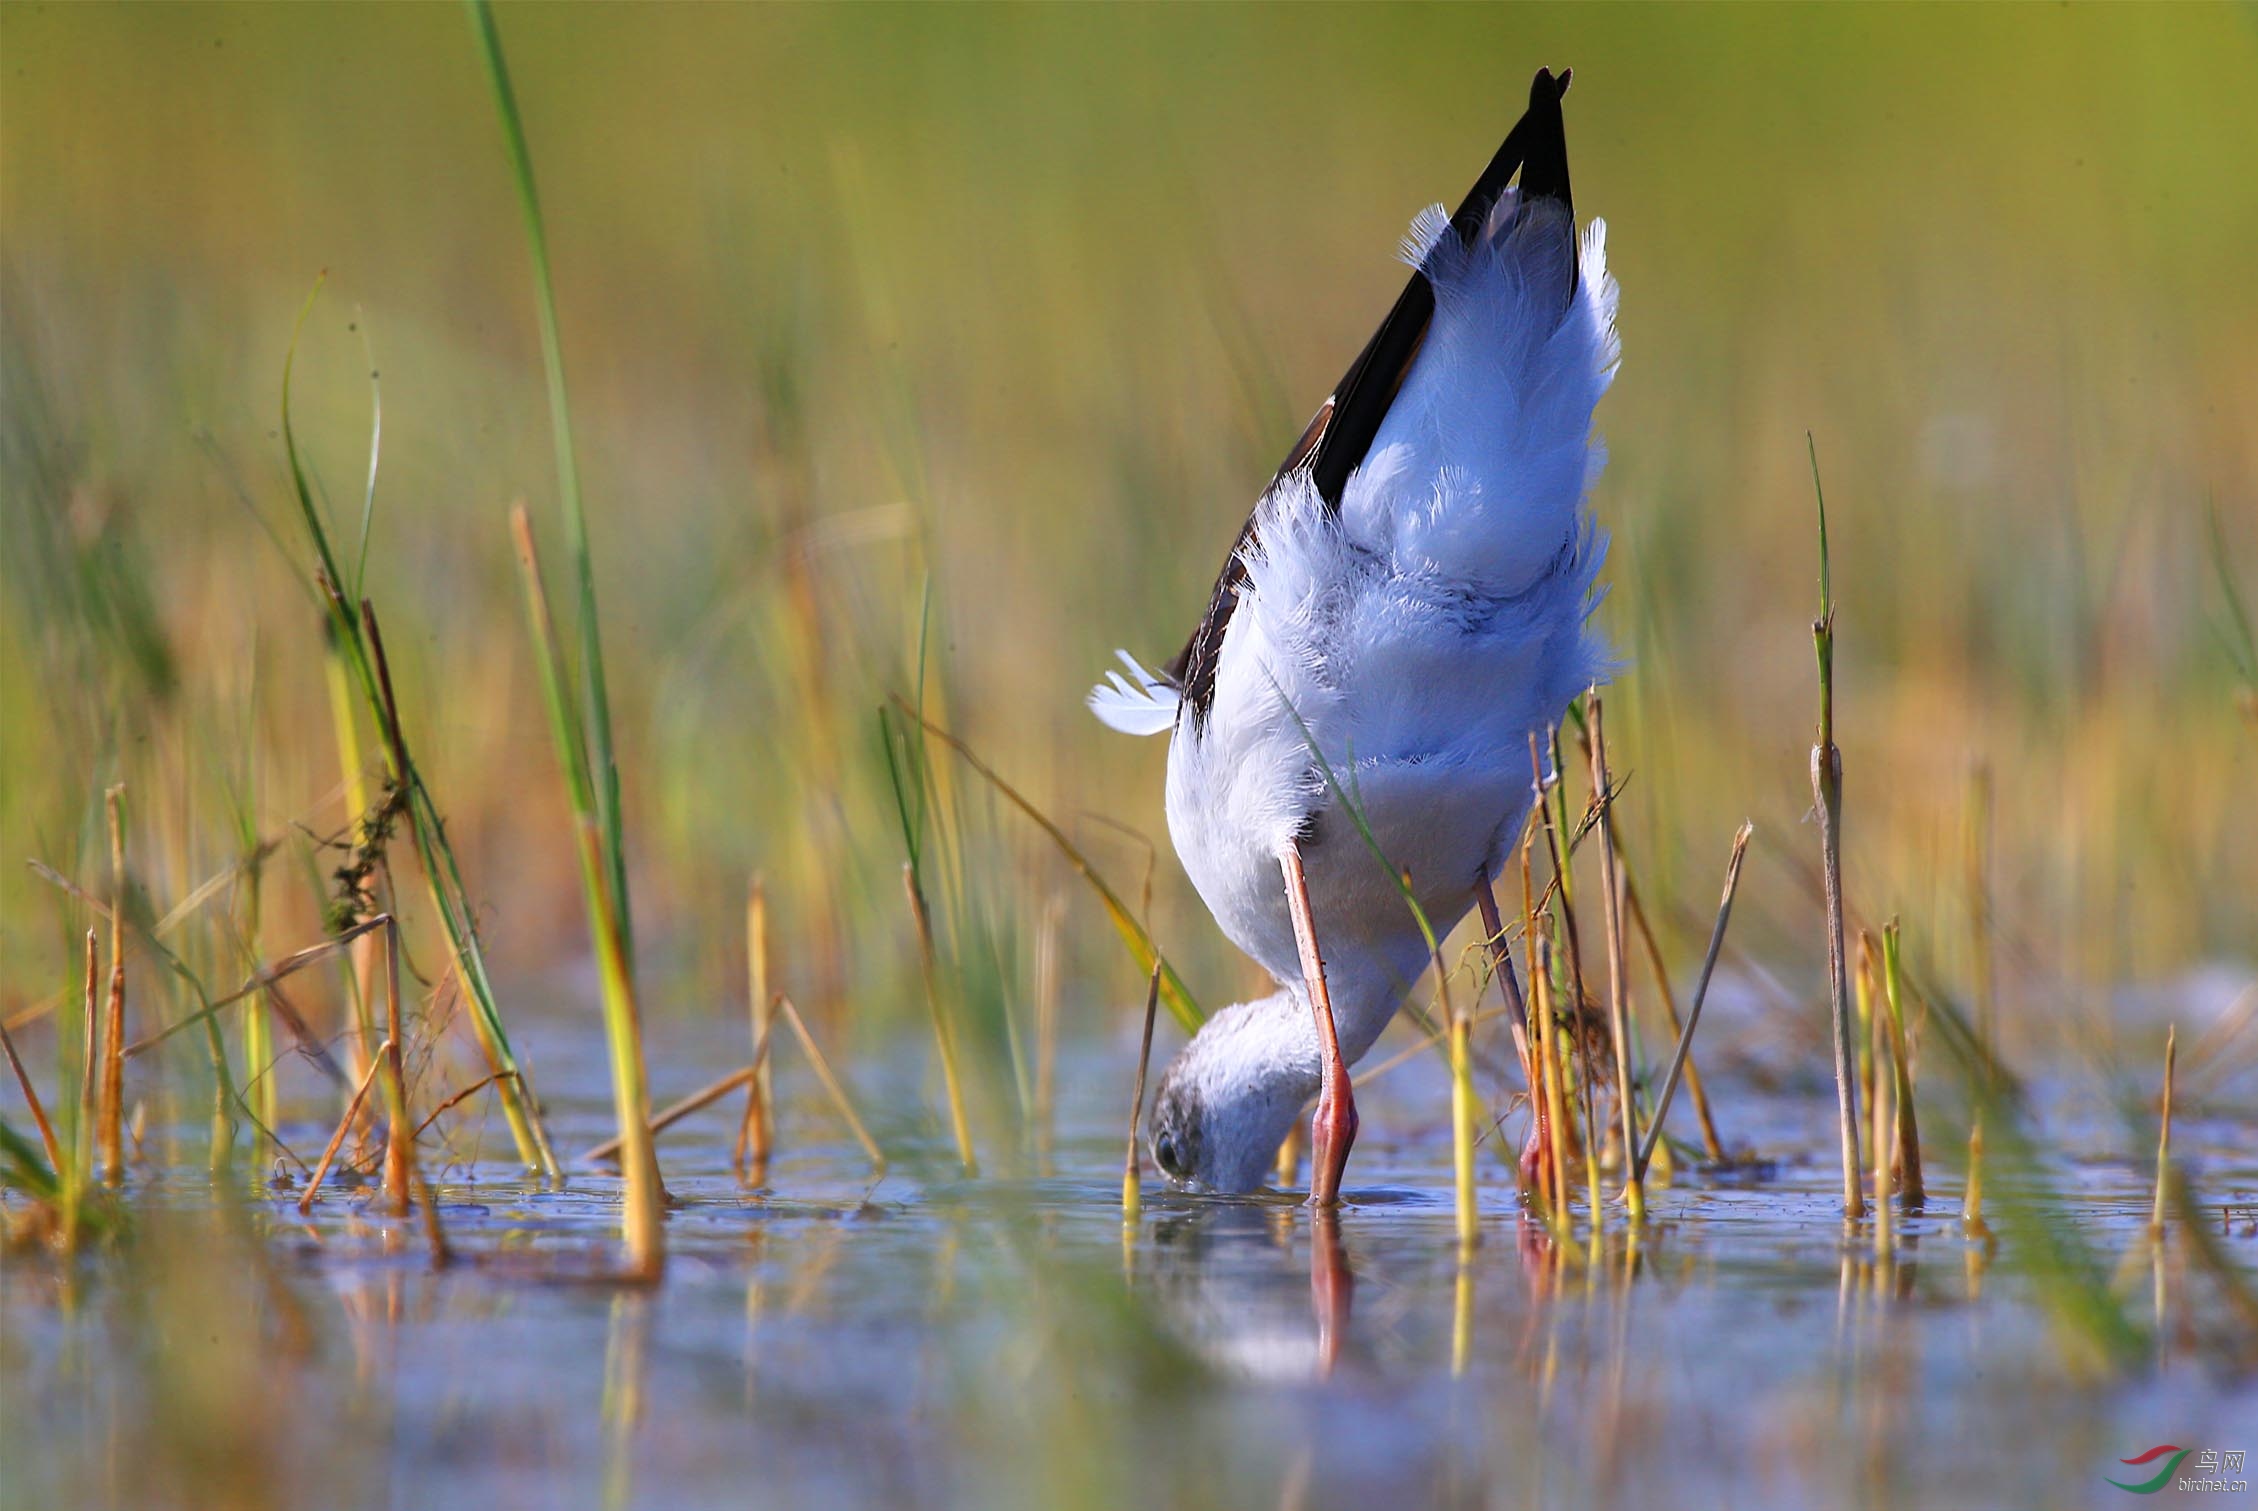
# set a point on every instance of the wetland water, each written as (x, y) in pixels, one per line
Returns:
(1005, 1342)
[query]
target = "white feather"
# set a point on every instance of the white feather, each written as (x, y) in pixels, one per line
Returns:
(1138, 704)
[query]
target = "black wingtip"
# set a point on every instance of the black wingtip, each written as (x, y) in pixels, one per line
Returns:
(1544, 151)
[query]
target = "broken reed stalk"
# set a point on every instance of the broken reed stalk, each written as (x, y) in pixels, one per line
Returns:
(1132, 1190)
(110, 1099)
(1618, 1009)
(399, 1144)
(1826, 793)
(1911, 1188)
(944, 1037)
(643, 1218)
(1864, 971)
(344, 1126)
(1462, 1111)
(831, 1086)
(1980, 951)
(697, 1101)
(2164, 1136)
(1880, 1102)
(756, 1132)
(47, 1141)
(1681, 1058)
(1712, 1144)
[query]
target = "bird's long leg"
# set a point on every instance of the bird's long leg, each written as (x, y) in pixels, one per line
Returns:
(1333, 1129)
(1533, 1162)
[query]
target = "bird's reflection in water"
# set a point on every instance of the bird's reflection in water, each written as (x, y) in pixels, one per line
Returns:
(1226, 1276)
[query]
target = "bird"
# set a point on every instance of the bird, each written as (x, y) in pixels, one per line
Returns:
(1407, 604)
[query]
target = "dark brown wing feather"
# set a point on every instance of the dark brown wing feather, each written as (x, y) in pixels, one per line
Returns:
(1338, 437)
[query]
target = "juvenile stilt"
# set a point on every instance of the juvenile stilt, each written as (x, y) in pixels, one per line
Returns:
(1332, 1130)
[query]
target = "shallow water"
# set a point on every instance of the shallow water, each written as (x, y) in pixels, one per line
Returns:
(1006, 1341)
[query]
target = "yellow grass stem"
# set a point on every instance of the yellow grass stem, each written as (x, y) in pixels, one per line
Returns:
(1132, 1190)
(2164, 1136)
(1911, 1188)
(944, 1036)
(353, 1102)
(831, 1086)
(1462, 1137)
(643, 1216)
(1618, 1008)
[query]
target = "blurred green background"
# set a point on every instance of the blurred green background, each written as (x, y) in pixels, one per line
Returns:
(1026, 303)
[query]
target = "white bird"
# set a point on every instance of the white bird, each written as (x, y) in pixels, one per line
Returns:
(1405, 606)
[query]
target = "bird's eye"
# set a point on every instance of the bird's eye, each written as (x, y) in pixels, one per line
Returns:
(1164, 1150)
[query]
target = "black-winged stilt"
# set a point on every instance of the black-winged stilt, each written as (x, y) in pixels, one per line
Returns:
(1408, 601)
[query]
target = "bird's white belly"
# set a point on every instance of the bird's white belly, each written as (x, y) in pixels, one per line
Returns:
(1439, 818)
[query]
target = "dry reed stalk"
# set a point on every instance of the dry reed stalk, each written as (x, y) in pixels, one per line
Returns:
(1980, 950)
(1517, 1011)
(1580, 1041)
(704, 1097)
(1711, 1142)
(31, 1100)
(110, 1098)
(944, 1038)
(1865, 969)
(1880, 1108)
(831, 1086)
(1547, 1053)
(756, 1133)
(344, 1126)
(1911, 1188)
(1826, 793)
(89, 1067)
(399, 1146)
(1618, 1009)
(1132, 1190)
(2164, 1136)
(1682, 1056)
(457, 1099)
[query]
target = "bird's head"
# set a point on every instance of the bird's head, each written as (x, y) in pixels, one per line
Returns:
(1227, 1100)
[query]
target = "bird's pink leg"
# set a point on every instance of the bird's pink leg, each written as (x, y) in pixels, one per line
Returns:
(1333, 1129)
(1533, 1163)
